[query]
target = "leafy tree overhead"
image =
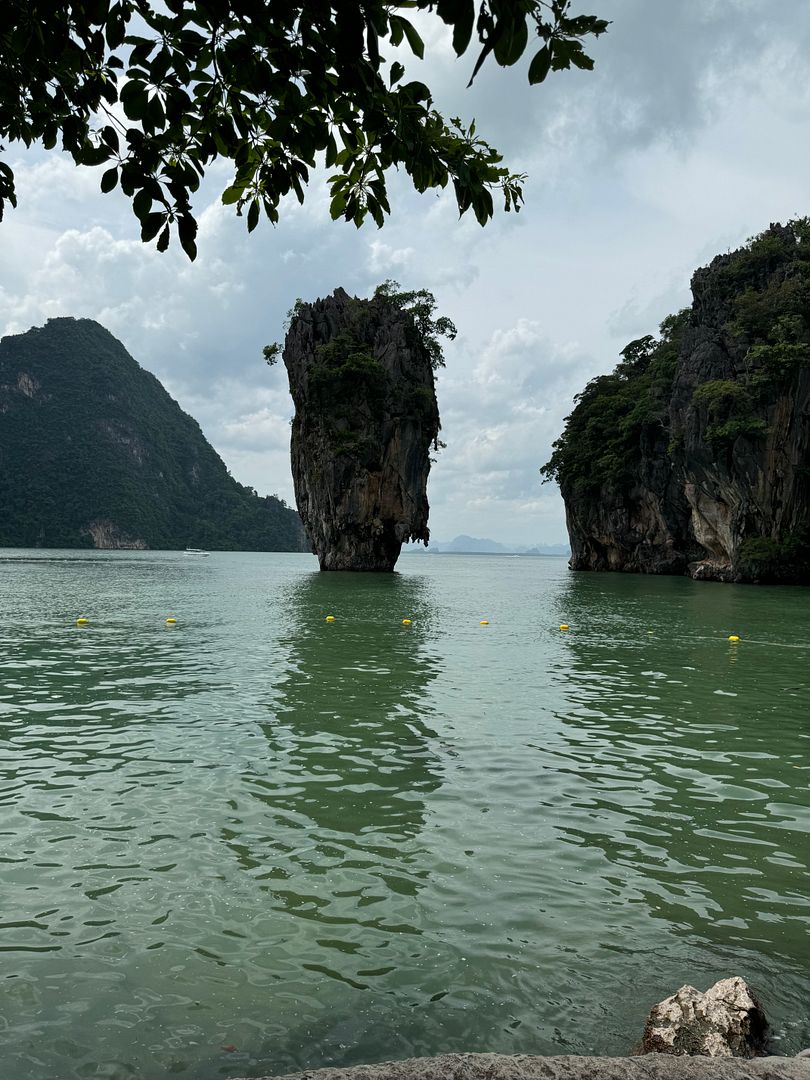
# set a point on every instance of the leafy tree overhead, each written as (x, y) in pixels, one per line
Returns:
(157, 90)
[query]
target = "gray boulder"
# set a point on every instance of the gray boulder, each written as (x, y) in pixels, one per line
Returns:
(725, 1021)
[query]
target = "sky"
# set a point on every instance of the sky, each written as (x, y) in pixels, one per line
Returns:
(691, 135)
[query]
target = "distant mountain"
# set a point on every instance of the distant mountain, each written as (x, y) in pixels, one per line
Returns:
(544, 549)
(473, 545)
(95, 453)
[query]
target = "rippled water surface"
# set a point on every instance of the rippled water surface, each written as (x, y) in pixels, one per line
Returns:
(256, 841)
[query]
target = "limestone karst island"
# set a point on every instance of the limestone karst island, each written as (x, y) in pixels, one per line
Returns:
(366, 418)
(404, 540)
(693, 456)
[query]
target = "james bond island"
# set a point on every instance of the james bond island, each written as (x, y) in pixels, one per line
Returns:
(362, 379)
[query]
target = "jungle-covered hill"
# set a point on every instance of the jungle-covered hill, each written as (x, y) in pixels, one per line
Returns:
(95, 453)
(693, 456)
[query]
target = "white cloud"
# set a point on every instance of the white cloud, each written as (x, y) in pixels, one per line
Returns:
(385, 259)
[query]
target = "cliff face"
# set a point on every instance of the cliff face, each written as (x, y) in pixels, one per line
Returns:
(694, 456)
(365, 417)
(95, 453)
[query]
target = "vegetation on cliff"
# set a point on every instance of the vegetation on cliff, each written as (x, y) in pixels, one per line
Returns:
(94, 451)
(697, 441)
(602, 436)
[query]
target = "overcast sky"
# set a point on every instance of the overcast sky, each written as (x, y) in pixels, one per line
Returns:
(692, 134)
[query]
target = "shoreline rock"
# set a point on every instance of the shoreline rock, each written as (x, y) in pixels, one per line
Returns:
(725, 1021)
(529, 1067)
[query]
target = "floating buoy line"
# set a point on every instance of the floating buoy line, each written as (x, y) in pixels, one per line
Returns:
(733, 639)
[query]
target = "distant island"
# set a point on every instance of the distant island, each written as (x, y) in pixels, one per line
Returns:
(474, 545)
(693, 456)
(94, 453)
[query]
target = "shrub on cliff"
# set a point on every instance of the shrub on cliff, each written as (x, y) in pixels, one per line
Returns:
(600, 442)
(764, 288)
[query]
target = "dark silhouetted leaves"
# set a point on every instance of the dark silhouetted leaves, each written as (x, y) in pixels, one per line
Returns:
(276, 89)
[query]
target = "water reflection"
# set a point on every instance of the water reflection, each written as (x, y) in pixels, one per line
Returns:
(350, 760)
(687, 771)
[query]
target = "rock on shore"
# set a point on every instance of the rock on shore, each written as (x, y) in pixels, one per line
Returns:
(525, 1067)
(725, 1021)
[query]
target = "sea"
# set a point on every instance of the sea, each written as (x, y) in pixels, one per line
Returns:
(253, 840)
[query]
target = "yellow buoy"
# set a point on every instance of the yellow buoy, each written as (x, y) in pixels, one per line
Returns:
(563, 625)
(330, 618)
(406, 622)
(81, 621)
(171, 620)
(484, 622)
(733, 637)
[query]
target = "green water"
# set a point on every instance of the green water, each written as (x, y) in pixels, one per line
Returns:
(333, 843)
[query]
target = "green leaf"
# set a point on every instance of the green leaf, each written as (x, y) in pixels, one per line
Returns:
(187, 231)
(540, 65)
(337, 207)
(163, 239)
(110, 136)
(232, 194)
(460, 14)
(512, 41)
(410, 32)
(116, 27)
(135, 100)
(582, 61)
(109, 179)
(487, 49)
(142, 204)
(151, 225)
(253, 215)
(189, 246)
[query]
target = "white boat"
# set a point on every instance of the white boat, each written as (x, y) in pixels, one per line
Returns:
(197, 551)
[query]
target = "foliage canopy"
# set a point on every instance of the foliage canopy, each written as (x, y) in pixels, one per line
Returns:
(158, 90)
(420, 304)
(763, 293)
(600, 443)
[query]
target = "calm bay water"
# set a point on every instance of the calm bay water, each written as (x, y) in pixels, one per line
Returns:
(333, 843)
